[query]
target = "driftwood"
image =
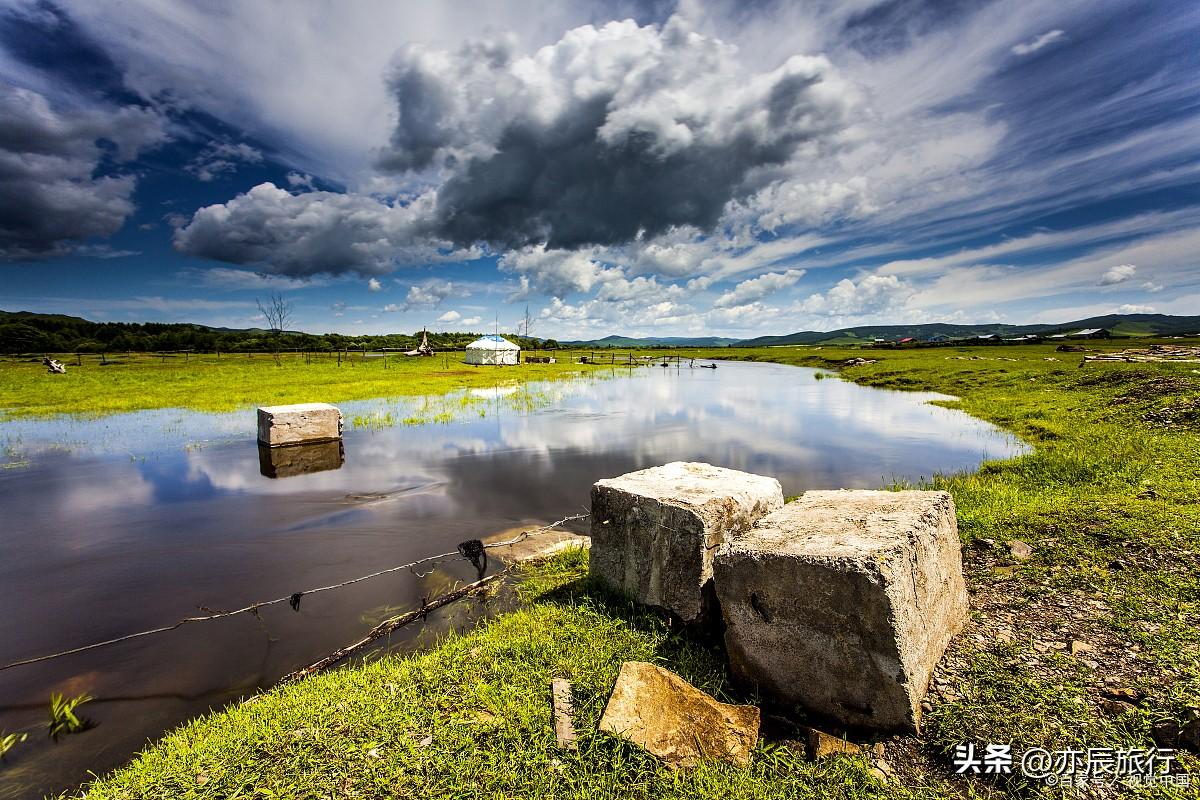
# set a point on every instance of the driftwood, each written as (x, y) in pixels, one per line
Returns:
(423, 349)
(390, 625)
(54, 367)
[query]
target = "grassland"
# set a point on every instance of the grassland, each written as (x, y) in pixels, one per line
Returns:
(229, 382)
(1092, 641)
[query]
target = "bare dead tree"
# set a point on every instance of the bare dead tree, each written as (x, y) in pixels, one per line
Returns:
(526, 324)
(278, 311)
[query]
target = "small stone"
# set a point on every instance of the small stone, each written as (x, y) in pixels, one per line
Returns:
(885, 769)
(879, 750)
(1115, 708)
(669, 718)
(1078, 647)
(1005, 635)
(1166, 733)
(1019, 550)
(821, 744)
(1092, 665)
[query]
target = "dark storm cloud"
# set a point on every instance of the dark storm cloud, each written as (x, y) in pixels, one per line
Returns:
(51, 193)
(608, 135)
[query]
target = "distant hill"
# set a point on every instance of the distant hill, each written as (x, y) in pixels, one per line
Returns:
(27, 332)
(660, 341)
(1119, 324)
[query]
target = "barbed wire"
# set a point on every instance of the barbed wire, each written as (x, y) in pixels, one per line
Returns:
(292, 599)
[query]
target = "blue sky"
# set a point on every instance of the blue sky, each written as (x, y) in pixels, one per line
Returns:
(705, 168)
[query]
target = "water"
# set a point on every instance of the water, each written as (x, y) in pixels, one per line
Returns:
(129, 522)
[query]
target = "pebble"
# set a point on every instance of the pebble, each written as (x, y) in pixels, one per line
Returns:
(1019, 550)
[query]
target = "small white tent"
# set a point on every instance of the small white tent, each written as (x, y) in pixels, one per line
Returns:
(493, 350)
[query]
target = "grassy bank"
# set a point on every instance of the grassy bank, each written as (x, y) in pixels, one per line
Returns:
(1092, 641)
(229, 382)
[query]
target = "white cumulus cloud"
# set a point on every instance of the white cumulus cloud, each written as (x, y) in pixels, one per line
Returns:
(748, 291)
(1118, 274)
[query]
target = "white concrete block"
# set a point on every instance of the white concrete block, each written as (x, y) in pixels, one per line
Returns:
(298, 424)
(654, 531)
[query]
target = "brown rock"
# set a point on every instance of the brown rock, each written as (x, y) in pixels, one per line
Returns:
(821, 744)
(669, 718)
(1115, 708)
(1078, 647)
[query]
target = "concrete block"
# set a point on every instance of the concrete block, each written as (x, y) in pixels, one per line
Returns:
(654, 531)
(299, 424)
(844, 601)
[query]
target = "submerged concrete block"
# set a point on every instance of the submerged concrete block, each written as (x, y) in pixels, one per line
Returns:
(844, 601)
(654, 531)
(299, 424)
(300, 459)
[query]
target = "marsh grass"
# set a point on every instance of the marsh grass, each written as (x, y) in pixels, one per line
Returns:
(63, 719)
(10, 740)
(230, 382)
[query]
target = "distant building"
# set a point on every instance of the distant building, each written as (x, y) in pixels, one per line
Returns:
(906, 340)
(493, 350)
(939, 338)
(1091, 333)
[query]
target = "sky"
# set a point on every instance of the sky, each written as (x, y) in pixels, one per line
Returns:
(636, 168)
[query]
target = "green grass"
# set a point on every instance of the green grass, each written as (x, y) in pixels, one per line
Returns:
(1109, 498)
(230, 382)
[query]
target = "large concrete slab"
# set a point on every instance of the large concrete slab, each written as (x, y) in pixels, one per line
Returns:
(654, 531)
(844, 601)
(301, 423)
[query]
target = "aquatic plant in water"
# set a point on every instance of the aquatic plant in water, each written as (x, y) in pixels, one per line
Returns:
(63, 719)
(10, 740)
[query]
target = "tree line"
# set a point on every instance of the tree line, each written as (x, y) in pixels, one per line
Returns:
(23, 332)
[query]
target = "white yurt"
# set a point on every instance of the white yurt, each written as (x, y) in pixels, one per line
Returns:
(493, 350)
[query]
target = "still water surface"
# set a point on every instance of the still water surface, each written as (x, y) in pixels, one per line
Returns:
(128, 522)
